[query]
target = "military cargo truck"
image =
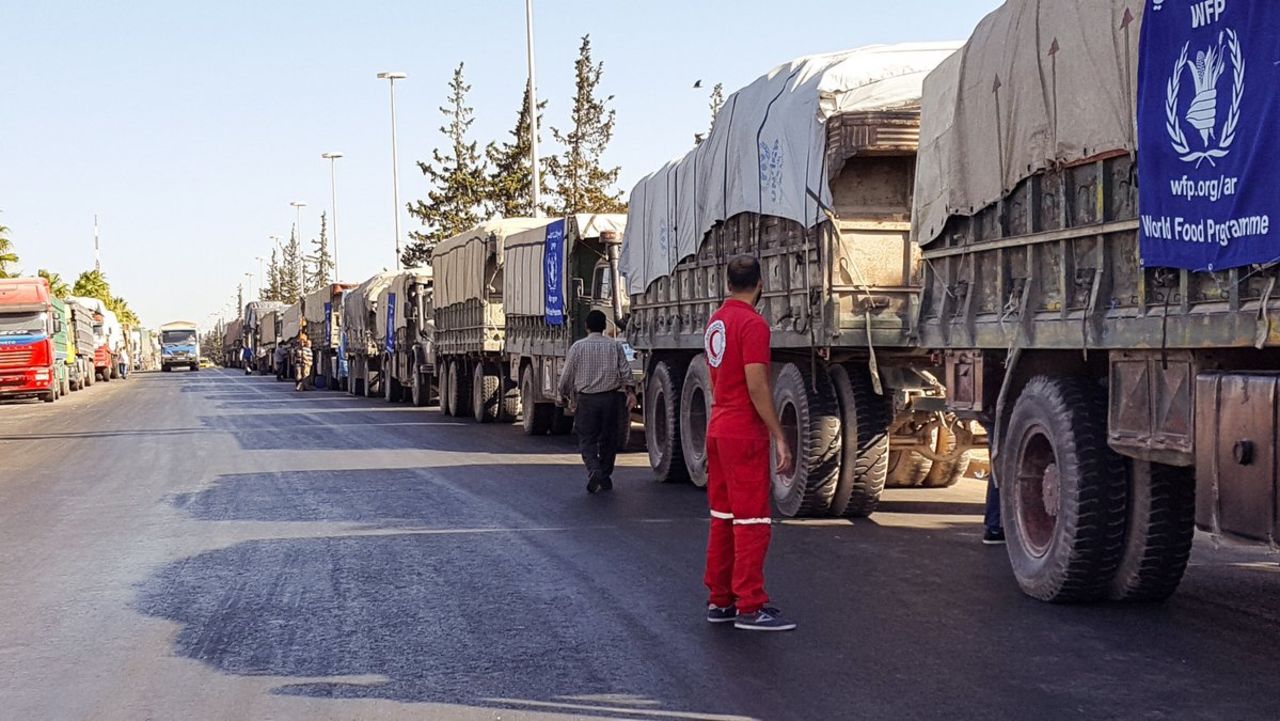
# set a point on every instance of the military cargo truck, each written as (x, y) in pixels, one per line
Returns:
(470, 322)
(1128, 375)
(405, 315)
(810, 169)
(364, 346)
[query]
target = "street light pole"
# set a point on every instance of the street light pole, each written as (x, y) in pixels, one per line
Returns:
(298, 205)
(332, 157)
(392, 77)
(260, 259)
(536, 190)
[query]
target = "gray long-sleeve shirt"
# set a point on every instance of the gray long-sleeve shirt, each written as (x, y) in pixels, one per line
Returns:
(595, 364)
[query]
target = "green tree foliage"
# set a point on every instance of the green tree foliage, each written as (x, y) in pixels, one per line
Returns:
(93, 284)
(510, 192)
(581, 183)
(8, 258)
(57, 286)
(324, 260)
(272, 291)
(291, 272)
(457, 183)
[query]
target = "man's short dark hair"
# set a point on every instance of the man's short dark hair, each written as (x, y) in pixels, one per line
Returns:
(743, 273)
(597, 321)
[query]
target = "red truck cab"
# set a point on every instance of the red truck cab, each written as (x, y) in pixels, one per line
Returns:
(26, 340)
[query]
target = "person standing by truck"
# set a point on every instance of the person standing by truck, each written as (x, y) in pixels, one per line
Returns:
(743, 420)
(302, 362)
(598, 373)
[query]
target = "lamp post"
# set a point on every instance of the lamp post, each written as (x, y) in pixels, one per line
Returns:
(260, 260)
(391, 78)
(332, 157)
(298, 205)
(536, 189)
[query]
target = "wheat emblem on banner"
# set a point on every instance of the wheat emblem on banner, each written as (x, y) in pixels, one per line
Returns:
(1206, 71)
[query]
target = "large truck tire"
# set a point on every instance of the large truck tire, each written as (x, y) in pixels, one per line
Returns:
(662, 422)
(1161, 524)
(864, 464)
(535, 418)
(1062, 491)
(806, 405)
(509, 402)
(459, 389)
(446, 387)
(624, 431)
(907, 469)
(945, 474)
(49, 396)
(420, 391)
(106, 376)
(485, 385)
(695, 414)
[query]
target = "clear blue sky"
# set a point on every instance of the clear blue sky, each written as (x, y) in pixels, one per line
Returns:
(189, 127)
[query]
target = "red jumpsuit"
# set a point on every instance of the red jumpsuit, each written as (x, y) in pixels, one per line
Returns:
(737, 461)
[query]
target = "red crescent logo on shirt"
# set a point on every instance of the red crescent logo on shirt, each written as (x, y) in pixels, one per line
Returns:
(714, 341)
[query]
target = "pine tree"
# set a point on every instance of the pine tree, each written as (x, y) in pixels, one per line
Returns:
(456, 182)
(582, 184)
(272, 291)
(291, 272)
(324, 260)
(510, 192)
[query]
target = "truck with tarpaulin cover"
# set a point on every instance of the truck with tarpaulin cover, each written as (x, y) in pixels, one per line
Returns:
(80, 336)
(269, 340)
(253, 330)
(470, 322)
(108, 337)
(809, 169)
(363, 339)
(404, 315)
(232, 343)
(322, 312)
(291, 326)
(1110, 314)
(555, 275)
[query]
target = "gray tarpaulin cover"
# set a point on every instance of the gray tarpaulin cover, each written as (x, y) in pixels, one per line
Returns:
(399, 284)
(1066, 76)
(524, 289)
(359, 303)
(459, 262)
(766, 149)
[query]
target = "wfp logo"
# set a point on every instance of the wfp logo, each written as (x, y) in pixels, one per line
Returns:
(1201, 114)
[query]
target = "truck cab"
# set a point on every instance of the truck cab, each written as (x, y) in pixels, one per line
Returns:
(28, 324)
(179, 346)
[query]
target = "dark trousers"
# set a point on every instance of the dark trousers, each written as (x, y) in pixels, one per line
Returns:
(596, 422)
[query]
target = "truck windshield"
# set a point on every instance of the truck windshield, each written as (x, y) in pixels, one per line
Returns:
(178, 337)
(22, 323)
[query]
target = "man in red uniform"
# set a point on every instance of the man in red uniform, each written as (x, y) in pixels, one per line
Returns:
(743, 420)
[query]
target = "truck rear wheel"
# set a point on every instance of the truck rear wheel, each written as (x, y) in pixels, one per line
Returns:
(695, 414)
(106, 376)
(662, 422)
(945, 474)
(460, 389)
(807, 408)
(420, 391)
(864, 465)
(485, 384)
(535, 418)
(1062, 491)
(446, 388)
(1162, 513)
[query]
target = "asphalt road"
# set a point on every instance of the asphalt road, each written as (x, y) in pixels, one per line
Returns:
(210, 546)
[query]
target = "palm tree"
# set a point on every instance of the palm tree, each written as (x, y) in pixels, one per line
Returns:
(57, 286)
(7, 256)
(93, 284)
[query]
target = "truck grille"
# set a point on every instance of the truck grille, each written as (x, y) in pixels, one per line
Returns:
(20, 357)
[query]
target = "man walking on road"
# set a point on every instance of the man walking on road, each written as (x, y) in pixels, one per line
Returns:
(743, 420)
(597, 372)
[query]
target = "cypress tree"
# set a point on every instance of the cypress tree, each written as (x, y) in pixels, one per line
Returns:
(582, 184)
(510, 192)
(324, 260)
(456, 182)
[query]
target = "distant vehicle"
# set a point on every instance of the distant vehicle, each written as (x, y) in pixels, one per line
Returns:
(108, 336)
(206, 363)
(179, 345)
(28, 357)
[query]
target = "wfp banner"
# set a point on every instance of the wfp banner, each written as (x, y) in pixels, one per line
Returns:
(553, 273)
(1209, 133)
(328, 325)
(391, 323)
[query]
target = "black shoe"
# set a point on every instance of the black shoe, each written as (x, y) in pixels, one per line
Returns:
(993, 537)
(593, 484)
(766, 619)
(719, 614)
(606, 484)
